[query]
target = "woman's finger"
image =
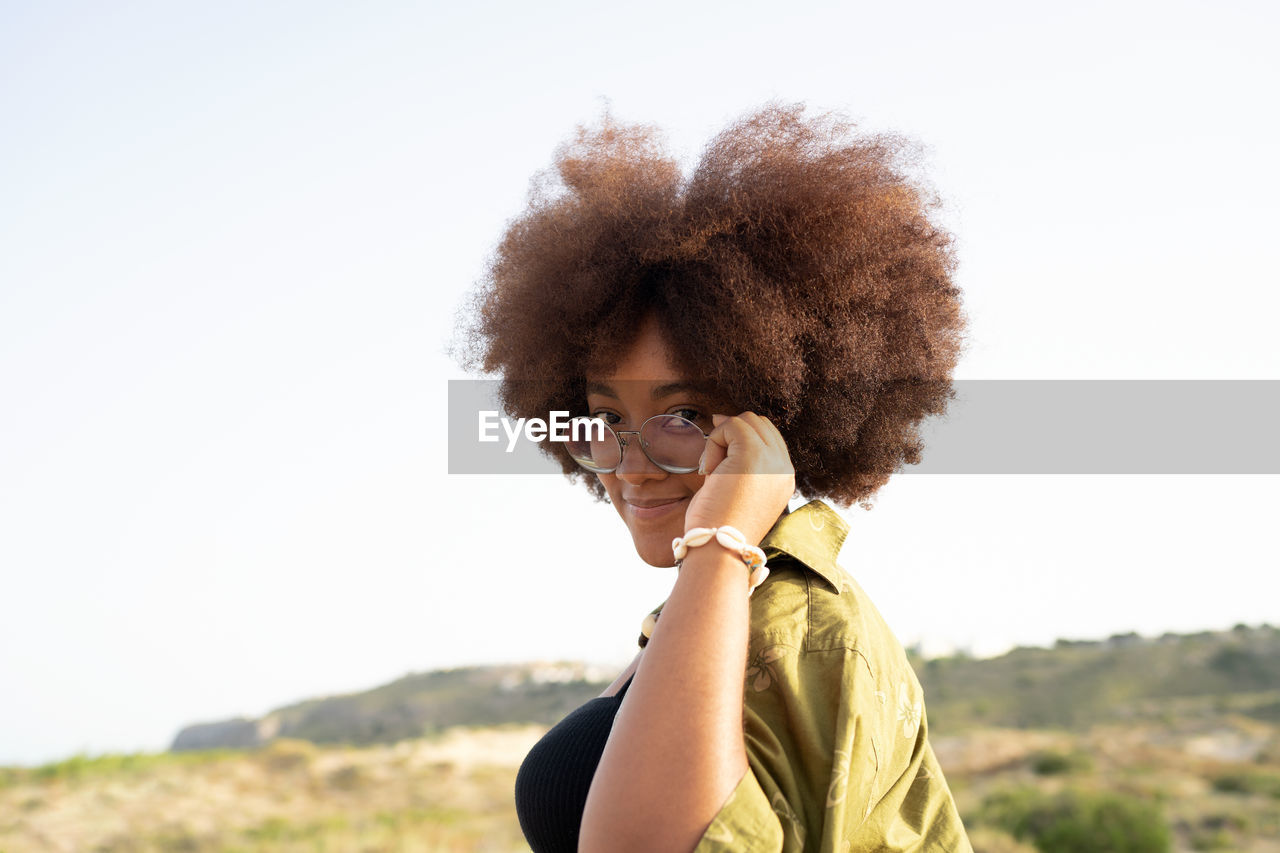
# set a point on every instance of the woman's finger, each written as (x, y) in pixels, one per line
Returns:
(713, 454)
(764, 427)
(754, 436)
(717, 447)
(764, 430)
(775, 457)
(750, 420)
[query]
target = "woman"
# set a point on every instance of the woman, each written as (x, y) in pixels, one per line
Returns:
(779, 321)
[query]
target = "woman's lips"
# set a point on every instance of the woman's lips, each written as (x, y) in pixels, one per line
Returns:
(647, 512)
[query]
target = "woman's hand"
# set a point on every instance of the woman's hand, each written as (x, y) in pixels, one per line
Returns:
(749, 477)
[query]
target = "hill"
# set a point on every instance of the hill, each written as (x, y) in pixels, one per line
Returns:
(1126, 678)
(1075, 684)
(417, 705)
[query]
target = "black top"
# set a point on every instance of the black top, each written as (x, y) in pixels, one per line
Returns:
(552, 785)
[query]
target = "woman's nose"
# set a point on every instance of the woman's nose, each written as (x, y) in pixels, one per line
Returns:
(636, 466)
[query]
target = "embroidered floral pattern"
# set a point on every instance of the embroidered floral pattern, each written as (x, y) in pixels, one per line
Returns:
(839, 778)
(875, 776)
(761, 674)
(719, 832)
(908, 712)
(784, 812)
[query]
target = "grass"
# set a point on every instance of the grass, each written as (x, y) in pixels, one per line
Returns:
(442, 794)
(1020, 791)
(113, 765)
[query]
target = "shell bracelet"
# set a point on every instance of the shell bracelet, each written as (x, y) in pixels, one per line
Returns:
(731, 538)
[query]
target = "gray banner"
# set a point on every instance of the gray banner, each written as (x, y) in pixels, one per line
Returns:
(999, 427)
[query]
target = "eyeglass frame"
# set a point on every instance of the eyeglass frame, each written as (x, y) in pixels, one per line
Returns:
(622, 443)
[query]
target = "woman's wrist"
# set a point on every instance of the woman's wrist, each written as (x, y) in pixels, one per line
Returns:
(714, 558)
(715, 573)
(753, 519)
(732, 541)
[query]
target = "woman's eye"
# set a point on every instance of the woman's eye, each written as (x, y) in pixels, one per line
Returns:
(608, 417)
(694, 415)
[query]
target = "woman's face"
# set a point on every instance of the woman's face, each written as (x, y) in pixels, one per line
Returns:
(651, 501)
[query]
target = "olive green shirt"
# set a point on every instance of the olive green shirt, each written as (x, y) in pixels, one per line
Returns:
(833, 716)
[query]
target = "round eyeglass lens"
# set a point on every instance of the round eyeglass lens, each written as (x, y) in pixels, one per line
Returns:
(675, 444)
(593, 445)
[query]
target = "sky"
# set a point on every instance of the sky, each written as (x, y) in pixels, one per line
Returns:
(235, 240)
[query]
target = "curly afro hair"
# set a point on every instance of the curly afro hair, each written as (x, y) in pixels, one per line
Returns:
(796, 270)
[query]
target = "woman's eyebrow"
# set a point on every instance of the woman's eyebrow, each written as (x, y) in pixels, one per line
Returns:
(672, 388)
(658, 392)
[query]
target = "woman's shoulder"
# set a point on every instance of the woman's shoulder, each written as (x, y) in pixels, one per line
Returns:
(818, 618)
(815, 610)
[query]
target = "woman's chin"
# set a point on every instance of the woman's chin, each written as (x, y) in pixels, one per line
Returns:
(657, 554)
(653, 545)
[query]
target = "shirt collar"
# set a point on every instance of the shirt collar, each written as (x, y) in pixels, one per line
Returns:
(812, 535)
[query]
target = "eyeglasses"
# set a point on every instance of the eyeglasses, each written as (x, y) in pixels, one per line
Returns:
(673, 443)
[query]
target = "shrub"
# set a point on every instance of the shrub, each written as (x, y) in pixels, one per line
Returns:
(1248, 782)
(1078, 821)
(1219, 831)
(1053, 763)
(286, 755)
(349, 777)
(1212, 840)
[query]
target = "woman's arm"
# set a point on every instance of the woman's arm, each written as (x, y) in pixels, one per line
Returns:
(676, 751)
